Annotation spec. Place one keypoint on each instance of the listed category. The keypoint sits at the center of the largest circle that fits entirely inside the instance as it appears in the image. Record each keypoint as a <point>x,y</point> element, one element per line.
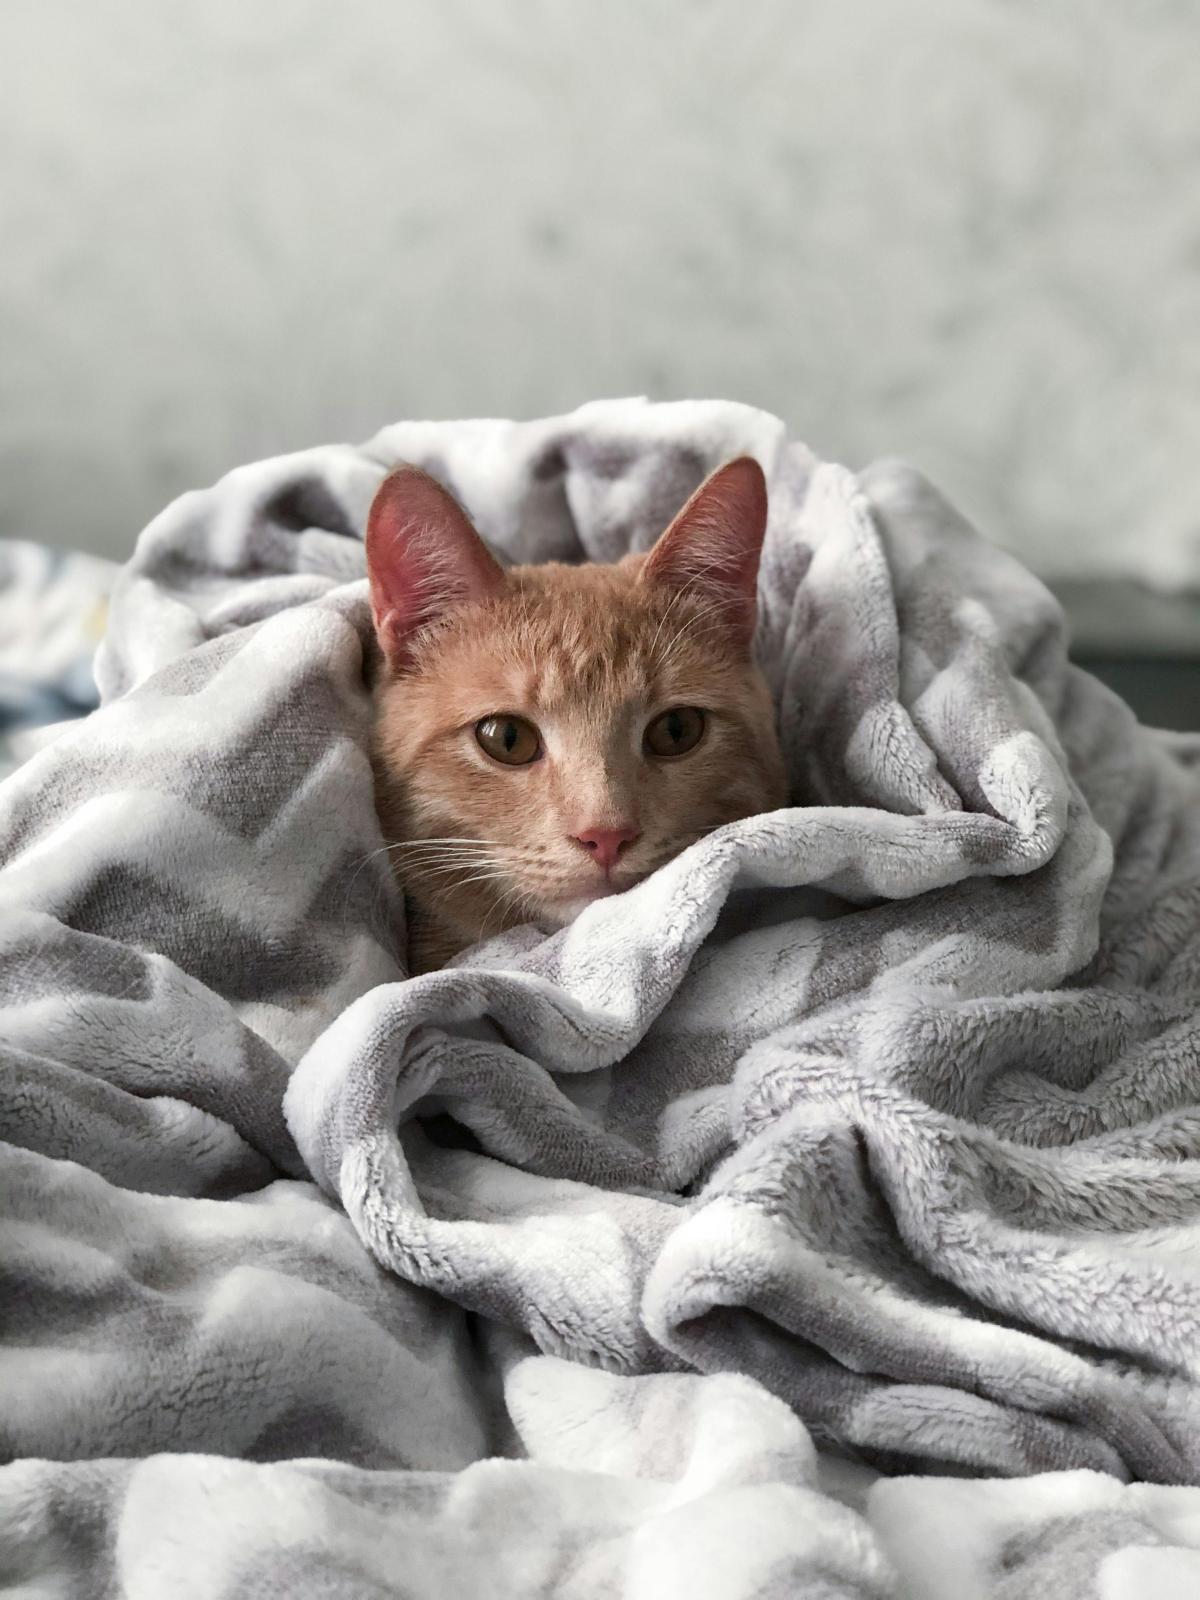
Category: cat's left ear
<point>713,545</point>
<point>423,558</point>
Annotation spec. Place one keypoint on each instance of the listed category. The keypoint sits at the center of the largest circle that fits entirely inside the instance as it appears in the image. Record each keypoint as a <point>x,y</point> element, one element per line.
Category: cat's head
<point>549,734</point>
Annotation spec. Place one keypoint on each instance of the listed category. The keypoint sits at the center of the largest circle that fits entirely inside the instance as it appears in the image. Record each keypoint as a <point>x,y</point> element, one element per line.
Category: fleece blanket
<point>870,1124</point>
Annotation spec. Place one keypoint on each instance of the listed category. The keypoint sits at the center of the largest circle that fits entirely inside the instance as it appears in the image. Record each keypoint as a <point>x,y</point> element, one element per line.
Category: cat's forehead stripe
<point>553,647</point>
<point>581,648</point>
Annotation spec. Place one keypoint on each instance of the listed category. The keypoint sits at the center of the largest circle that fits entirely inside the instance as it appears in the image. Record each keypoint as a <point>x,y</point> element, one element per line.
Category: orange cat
<point>549,734</point>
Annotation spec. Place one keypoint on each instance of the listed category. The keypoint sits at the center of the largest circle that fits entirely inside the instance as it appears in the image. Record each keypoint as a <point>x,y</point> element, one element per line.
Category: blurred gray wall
<point>966,231</point>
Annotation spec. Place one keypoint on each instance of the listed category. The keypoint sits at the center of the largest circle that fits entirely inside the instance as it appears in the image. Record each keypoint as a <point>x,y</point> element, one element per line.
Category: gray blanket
<point>876,1113</point>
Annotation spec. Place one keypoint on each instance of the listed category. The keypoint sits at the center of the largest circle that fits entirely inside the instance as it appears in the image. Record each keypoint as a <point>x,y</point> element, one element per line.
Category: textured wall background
<point>967,231</point>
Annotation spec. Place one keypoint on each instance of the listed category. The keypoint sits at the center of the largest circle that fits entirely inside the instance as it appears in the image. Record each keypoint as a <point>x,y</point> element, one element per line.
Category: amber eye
<point>511,740</point>
<point>675,733</point>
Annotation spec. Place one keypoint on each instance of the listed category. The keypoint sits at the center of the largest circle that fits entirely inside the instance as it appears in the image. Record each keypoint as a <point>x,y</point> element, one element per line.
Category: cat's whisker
<point>419,858</point>
<point>514,900</point>
<point>689,592</point>
<point>440,875</point>
<point>497,911</point>
<point>426,844</point>
<point>467,856</point>
<point>676,598</point>
<point>710,617</point>
<point>450,871</point>
<point>471,863</point>
<point>676,644</point>
<point>355,875</point>
<point>482,877</point>
<point>444,839</point>
<point>456,852</point>
<point>370,855</point>
<point>438,863</point>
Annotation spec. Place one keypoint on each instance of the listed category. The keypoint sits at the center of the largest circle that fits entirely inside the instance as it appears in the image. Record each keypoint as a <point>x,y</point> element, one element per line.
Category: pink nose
<point>604,845</point>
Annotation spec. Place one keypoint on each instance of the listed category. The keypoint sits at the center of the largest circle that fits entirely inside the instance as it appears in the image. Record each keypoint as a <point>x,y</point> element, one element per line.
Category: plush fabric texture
<point>882,1106</point>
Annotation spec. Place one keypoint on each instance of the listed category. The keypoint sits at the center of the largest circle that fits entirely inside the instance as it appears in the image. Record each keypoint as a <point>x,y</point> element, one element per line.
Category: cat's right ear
<point>423,558</point>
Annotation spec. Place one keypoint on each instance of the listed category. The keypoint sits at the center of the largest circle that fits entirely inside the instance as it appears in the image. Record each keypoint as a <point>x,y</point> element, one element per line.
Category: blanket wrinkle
<point>869,1125</point>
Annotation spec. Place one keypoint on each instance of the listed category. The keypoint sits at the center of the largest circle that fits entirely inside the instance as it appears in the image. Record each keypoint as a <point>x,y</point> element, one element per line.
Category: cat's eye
<point>510,740</point>
<point>675,732</point>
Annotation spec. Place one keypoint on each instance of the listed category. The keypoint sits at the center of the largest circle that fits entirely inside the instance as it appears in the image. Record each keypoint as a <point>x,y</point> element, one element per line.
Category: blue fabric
<point>52,610</point>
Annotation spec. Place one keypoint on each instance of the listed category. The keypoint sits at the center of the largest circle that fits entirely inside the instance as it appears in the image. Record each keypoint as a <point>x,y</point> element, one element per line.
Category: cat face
<point>552,734</point>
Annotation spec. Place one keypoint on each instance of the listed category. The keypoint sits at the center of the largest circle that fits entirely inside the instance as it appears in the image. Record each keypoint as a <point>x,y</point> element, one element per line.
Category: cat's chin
<point>558,913</point>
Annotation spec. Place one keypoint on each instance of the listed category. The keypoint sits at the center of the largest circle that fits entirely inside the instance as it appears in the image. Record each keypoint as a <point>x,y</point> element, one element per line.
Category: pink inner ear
<point>714,544</point>
<point>423,558</point>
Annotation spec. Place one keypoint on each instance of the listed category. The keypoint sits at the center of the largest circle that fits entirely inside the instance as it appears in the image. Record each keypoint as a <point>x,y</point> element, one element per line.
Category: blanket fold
<point>882,1105</point>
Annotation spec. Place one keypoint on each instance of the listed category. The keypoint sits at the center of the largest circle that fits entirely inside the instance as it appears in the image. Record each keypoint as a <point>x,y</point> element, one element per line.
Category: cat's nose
<point>604,845</point>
